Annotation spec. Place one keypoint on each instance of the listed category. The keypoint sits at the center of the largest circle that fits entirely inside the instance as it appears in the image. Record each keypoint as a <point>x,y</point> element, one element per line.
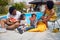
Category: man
<point>11,21</point>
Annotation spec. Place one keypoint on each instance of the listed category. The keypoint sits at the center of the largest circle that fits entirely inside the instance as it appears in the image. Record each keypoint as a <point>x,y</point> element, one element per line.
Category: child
<point>32,22</point>
<point>11,19</point>
<point>49,13</point>
<point>23,23</point>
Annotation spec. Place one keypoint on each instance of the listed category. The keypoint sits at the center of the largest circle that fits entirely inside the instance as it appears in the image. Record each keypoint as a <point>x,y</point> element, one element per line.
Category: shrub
<point>19,6</point>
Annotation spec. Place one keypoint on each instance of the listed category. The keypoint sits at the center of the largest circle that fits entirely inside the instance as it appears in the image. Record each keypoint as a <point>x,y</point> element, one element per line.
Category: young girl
<point>49,13</point>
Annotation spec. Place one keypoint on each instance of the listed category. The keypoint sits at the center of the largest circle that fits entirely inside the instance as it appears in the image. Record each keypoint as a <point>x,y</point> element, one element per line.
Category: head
<point>49,5</point>
<point>22,17</point>
<point>34,15</point>
<point>12,11</point>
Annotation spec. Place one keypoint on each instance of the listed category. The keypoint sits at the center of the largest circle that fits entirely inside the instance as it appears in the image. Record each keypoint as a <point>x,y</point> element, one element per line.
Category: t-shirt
<point>14,16</point>
<point>23,22</point>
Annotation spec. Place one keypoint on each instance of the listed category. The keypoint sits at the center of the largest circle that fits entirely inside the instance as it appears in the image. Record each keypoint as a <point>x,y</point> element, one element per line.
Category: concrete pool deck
<point>47,35</point>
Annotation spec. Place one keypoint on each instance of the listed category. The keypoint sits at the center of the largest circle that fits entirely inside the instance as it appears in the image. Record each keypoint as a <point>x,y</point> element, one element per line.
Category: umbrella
<point>39,1</point>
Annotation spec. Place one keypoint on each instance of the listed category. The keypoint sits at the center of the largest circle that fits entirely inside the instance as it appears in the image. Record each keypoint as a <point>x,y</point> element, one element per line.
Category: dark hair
<point>33,14</point>
<point>21,16</point>
<point>11,9</point>
<point>50,4</point>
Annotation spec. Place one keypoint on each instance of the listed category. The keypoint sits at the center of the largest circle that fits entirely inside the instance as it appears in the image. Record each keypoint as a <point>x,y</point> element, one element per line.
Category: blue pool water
<point>28,15</point>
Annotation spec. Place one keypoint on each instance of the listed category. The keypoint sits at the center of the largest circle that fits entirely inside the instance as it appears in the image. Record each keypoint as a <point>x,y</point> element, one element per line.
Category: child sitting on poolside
<point>49,13</point>
<point>32,22</point>
<point>23,23</point>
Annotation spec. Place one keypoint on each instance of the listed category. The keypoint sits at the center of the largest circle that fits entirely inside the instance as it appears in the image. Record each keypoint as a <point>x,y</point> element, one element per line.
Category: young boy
<point>23,24</point>
<point>32,22</point>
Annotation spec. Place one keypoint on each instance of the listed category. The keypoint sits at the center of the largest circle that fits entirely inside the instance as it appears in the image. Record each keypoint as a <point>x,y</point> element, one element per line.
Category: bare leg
<point>33,30</point>
<point>3,29</point>
<point>3,23</point>
<point>13,26</point>
<point>45,21</point>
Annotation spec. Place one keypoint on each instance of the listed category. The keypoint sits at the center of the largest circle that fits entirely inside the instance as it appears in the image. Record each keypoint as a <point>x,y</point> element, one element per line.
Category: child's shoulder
<point>53,10</point>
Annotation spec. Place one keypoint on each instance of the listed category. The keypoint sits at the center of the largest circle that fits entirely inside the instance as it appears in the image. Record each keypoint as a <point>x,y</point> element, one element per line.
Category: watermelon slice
<point>12,20</point>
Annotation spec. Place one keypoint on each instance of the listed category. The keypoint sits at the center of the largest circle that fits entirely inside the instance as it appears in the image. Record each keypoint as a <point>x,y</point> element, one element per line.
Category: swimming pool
<point>28,15</point>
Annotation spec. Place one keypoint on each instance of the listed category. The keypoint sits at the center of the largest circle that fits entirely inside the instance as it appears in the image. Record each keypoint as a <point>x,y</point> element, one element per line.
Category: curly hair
<point>50,4</point>
<point>22,16</point>
<point>33,14</point>
<point>11,9</point>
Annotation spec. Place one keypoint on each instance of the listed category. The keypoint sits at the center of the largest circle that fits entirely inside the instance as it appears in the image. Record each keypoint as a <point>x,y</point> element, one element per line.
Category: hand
<point>43,17</point>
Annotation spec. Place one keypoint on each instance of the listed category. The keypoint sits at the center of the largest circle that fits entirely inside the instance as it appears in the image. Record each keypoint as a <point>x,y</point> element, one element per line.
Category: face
<point>24,18</point>
<point>14,12</point>
<point>34,16</point>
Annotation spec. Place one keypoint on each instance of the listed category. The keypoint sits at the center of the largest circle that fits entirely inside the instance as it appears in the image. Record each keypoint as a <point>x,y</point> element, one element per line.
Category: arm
<point>51,14</point>
<point>8,22</point>
<point>31,19</point>
<point>43,17</point>
<point>44,12</point>
<point>48,17</point>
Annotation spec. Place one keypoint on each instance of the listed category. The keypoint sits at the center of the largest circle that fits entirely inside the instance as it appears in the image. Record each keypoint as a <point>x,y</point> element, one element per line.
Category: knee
<point>17,23</point>
<point>2,20</point>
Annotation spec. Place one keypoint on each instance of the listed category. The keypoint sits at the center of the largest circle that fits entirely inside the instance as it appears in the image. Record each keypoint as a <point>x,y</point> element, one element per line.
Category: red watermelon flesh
<point>12,20</point>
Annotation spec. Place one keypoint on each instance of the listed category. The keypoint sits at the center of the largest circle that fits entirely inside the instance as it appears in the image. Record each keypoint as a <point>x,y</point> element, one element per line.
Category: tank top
<point>47,13</point>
